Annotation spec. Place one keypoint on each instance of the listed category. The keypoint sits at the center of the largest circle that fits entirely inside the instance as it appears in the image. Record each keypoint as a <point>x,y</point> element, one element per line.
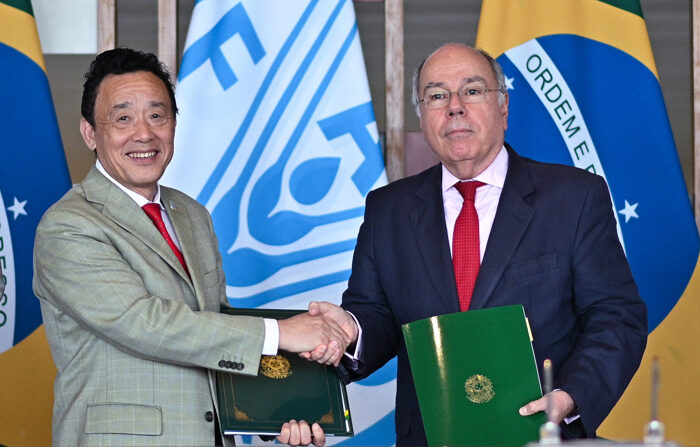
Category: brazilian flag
<point>33,175</point>
<point>584,91</point>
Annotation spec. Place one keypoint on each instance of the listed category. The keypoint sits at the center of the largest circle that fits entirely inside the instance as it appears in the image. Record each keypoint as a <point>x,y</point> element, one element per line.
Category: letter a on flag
<point>584,91</point>
<point>33,175</point>
<point>276,136</point>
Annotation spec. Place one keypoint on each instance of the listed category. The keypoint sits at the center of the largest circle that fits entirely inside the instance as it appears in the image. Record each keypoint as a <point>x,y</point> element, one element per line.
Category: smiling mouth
<point>142,155</point>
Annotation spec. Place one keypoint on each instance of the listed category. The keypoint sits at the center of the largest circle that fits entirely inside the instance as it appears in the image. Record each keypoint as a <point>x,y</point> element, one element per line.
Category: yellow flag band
<point>591,19</point>
<point>18,30</point>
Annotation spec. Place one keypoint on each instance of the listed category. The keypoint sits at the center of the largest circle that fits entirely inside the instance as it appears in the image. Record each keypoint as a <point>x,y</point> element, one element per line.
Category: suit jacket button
<point>209,416</point>
<point>241,366</point>
<point>222,363</point>
<point>229,365</point>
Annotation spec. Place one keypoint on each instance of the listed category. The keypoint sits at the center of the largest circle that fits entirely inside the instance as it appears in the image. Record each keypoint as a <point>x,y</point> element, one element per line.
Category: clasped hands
<point>322,334</point>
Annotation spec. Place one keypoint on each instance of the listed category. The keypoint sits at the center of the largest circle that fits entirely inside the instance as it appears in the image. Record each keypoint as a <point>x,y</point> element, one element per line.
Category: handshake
<point>322,334</point>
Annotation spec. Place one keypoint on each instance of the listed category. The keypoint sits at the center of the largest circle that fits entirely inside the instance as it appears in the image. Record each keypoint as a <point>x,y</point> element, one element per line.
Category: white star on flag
<point>509,83</point>
<point>629,211</point>
<point>18,208</point>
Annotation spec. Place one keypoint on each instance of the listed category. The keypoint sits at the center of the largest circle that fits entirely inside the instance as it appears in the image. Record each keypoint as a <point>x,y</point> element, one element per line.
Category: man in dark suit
<point>546,239</point>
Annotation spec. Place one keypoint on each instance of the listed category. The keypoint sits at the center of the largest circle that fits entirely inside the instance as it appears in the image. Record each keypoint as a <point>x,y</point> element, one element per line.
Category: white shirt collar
<point>494,174</point>
<point>136,197</point>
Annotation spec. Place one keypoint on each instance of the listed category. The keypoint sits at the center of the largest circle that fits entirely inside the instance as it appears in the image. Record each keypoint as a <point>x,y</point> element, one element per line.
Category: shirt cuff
<point>571,419</point>
<point>355,356</point>
<point>272,337</point>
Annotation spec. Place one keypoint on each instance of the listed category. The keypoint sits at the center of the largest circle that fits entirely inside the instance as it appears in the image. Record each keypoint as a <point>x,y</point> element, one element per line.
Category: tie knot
<point>153,211</point>
<point>468,189</point>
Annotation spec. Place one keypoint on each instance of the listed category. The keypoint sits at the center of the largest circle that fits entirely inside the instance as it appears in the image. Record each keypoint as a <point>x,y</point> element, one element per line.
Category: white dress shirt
<point>485,201</point>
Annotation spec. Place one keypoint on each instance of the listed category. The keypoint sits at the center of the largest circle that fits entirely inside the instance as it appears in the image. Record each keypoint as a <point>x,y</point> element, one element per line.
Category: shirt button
<point>209,416</point>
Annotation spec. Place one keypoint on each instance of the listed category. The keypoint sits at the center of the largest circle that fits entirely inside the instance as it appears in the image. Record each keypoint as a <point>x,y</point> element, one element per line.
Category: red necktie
<point>153,211</point>
<point>465,244</point>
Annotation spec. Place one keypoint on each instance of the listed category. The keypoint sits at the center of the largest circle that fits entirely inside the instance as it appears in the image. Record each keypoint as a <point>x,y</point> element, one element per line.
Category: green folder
<point>473,371</point>
<point>286,387</point>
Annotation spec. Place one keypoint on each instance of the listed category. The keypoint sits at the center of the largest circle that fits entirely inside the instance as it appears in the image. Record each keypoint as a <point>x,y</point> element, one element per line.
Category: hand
<point>303,333</point>
<point>299,433</point>
<point>562,406</point>
<point>322,354</point>
<point>337,314</point>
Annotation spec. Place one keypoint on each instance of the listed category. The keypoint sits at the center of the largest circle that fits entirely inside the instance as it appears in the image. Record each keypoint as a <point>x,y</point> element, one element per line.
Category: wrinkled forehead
<point>455,65</point>
<point>140,87</point>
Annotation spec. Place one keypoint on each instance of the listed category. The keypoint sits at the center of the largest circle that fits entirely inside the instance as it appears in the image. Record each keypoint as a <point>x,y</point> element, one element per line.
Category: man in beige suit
<point>135,333</point>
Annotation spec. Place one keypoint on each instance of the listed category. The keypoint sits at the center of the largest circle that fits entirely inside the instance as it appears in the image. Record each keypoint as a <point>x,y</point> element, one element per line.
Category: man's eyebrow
<point>468,80</point>
<point>127,104</point>
<point>122,105</point>
<point>433,84</point>
<point>476,78</point>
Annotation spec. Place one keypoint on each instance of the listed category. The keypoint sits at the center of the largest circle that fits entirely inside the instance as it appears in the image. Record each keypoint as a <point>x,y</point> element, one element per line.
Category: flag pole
<point>106,25</point>
<point>394,108</point>
<point>167,34</point>
<point>696,110</point>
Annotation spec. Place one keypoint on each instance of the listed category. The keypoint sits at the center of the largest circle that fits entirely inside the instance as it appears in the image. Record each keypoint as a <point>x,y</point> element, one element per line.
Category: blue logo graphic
<point>277,138</point>
<point>555,102</point>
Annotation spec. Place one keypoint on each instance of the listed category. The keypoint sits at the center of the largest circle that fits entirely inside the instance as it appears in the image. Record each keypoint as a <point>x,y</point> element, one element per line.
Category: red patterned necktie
<point>465,244</point>
<point>153,212</point>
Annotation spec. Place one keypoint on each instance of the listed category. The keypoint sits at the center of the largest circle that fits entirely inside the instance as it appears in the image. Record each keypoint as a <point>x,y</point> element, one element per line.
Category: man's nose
<point>455,105</point>
<point>143,131</point>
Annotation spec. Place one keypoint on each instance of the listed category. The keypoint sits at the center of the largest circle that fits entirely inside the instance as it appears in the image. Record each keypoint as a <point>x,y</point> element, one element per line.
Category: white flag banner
<point>276,136</point>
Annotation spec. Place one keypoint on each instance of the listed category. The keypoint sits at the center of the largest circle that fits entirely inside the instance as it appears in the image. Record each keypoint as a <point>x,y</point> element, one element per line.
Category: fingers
<point>319,438</point>
<point>330,354</point>
<point>533,407</point>
<point>304,333</point>
<point>337,314</point>
<point>314,308</point>
<point>285,433</point>
<point>298,433</point>
<point>562,406</point>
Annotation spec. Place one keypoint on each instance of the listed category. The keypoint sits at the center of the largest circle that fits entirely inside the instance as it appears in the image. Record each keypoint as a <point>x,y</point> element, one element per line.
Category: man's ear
<point>88,133</point>
<point>504,111</point>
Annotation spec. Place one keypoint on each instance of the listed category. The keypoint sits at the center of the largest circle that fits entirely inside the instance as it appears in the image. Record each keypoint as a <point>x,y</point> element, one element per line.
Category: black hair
<point>121,61</point>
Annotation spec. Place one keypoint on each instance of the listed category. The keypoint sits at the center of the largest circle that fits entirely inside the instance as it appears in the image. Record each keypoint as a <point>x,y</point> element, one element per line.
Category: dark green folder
<point>286,387</point>
<point>473,371</point>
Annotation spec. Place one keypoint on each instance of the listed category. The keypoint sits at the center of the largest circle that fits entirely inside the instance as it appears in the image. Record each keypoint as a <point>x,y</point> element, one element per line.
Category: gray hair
<point>495,66</point>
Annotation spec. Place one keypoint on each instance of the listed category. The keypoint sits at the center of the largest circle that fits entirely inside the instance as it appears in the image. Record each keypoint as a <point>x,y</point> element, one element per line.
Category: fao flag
<point>276,136</point>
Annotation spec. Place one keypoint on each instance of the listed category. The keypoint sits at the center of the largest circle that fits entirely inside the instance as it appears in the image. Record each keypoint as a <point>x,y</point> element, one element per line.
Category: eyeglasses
<point>438,98</point>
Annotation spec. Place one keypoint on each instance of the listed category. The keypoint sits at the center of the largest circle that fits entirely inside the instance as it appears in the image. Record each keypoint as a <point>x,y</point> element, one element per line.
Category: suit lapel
<point>177,212</point>
<point>428,223</point>
<point>513,216</point>
<point>121,209</point>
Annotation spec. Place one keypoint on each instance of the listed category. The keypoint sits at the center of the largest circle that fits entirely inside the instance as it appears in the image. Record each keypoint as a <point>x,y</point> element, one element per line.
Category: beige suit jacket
<point>135,340</point>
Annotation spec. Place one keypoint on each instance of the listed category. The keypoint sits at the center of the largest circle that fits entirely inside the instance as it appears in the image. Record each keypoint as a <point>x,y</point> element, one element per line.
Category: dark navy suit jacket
<point>553,248</point>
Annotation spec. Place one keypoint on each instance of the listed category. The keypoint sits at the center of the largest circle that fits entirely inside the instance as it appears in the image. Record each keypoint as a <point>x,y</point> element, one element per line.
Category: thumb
<point>533,407</point>
<point>314,308</point>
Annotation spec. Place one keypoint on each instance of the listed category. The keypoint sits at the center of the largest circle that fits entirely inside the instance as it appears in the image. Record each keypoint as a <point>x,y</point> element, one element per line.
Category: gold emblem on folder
<point>479,389</point>
<point>275,366</point>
